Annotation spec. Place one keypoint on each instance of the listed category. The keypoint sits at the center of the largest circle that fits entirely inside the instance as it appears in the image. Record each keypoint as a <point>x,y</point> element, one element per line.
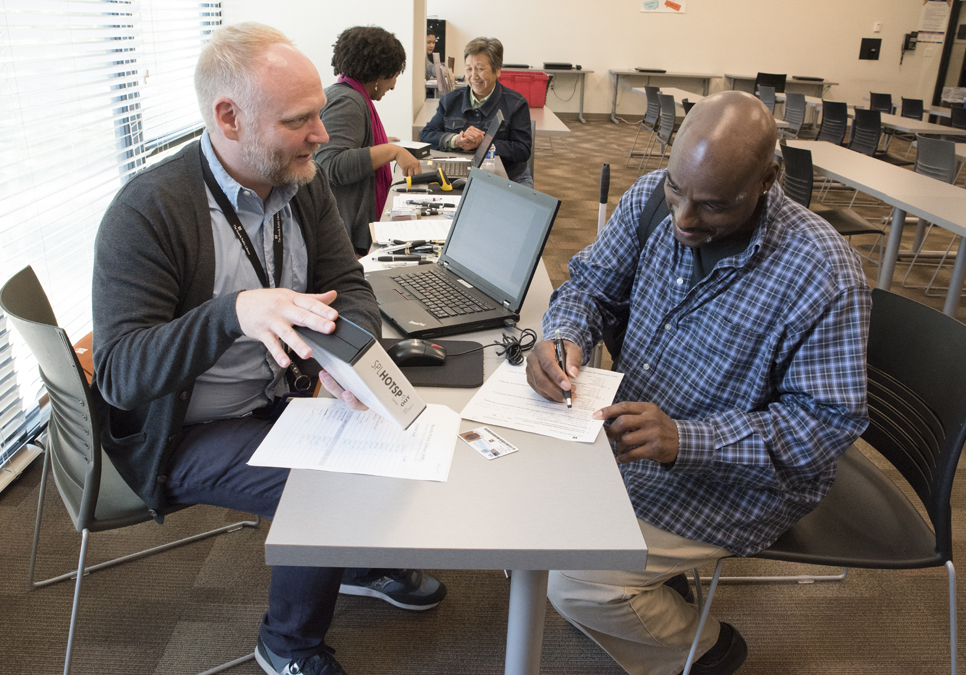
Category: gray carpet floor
<point>192,608</point>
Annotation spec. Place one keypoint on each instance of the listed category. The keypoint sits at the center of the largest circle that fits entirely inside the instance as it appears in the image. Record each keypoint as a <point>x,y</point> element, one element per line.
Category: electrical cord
<point>514,348</point>
<point>573,91</point>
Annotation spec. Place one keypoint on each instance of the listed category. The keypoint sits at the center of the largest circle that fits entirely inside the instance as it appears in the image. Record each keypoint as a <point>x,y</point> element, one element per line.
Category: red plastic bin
<point>533,85</point>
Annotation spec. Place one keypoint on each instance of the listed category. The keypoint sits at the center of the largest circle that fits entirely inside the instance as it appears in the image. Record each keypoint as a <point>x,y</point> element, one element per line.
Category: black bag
<point>653,214</point>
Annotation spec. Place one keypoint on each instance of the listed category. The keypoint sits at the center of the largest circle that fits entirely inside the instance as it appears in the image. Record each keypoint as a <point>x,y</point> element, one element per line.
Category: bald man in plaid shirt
<point>744,366</point>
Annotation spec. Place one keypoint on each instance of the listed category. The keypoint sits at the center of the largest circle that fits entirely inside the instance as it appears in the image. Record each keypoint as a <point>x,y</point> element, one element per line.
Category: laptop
<point>484,271</point>
<point>459,167</point>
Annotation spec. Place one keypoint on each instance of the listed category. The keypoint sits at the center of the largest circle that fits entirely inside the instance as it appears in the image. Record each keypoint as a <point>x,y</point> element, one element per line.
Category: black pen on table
<point>401,258</point>
<point>562,362</point>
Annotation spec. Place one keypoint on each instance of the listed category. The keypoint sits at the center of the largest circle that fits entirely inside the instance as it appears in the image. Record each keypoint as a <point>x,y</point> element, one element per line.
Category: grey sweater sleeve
<point>345,158</point>
<point>144,346</point>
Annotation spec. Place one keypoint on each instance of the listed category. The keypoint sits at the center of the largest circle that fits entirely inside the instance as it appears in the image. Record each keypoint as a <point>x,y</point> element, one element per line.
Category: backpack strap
<point>653,214</point>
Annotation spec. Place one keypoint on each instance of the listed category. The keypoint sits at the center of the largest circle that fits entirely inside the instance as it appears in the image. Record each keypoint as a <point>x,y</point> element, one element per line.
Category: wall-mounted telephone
<point>909,44</point>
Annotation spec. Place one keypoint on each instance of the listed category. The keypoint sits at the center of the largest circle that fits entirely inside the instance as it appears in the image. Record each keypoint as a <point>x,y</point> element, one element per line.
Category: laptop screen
<point>498,235</point>
<point>487,141</point>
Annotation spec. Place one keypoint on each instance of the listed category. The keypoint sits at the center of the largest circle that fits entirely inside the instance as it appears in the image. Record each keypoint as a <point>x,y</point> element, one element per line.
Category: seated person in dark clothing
<point>464,115</point>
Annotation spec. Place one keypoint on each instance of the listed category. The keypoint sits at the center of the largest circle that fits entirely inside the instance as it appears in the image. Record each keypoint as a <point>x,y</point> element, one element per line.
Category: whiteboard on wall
<point>669,6</point>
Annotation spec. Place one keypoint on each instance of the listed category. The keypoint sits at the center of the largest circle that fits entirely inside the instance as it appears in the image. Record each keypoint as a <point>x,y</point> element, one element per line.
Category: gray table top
<point>697,76</point>
<point>552,505</point>
<point>790,78</point>
<point>912,126</point>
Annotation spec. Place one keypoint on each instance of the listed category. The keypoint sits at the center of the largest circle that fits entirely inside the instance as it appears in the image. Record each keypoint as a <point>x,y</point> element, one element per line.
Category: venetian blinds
<point>90,92</point>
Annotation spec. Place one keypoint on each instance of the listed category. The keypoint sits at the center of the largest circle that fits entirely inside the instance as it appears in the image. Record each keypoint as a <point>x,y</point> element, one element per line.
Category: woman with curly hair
<point>367,61</point>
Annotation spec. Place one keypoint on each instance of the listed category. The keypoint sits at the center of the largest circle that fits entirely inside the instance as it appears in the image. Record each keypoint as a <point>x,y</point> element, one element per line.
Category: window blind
<point>90,92</point>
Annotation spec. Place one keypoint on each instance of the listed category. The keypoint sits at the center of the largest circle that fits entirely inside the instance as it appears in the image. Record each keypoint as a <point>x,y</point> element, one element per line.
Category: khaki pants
<point>647,627</point>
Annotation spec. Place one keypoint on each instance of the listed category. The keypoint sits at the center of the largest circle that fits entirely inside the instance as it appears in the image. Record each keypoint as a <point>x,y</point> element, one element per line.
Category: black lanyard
<point>236,225</point>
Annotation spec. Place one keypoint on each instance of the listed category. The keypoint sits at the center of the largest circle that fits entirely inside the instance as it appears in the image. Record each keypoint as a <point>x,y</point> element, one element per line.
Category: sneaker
<point>725,657</point>
<point>317,664</point>
<point>409,589</point>
<point>681,586</point>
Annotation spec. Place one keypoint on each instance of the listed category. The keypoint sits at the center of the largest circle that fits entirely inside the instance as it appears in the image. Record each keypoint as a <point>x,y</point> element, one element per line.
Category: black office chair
<point>96,497</point>
<point>687,105</point>
<point>881,102</point>
<point>917,422</point>
<point>911,108</point>
<point>771,80</point>
<point>957,117</point>
<point>766,94</point>
<point>795,107</point>
<point>649,122</point>
<point>835,120</point>
<point>797,182</point>
<point>866,131</point>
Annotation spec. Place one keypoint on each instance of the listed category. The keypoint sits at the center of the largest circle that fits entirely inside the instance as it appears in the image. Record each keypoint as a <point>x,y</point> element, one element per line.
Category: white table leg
<point>524,633</point>
<point>956,283</point>
<point>892,250</point>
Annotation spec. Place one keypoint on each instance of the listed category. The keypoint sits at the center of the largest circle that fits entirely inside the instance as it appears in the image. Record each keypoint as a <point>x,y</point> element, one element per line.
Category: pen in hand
<point>562,362</point>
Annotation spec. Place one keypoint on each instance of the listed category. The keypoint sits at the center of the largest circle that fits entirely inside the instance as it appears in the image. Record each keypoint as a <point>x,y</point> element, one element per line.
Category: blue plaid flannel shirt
<point>762,365</point>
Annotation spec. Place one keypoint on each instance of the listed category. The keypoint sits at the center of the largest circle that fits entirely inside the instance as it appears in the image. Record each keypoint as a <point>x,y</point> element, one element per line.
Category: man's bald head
<point>730,125</point>
<point>721,164</point>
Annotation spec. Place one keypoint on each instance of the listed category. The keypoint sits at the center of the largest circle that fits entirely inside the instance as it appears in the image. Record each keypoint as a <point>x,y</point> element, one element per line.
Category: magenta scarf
<point>383,173</point>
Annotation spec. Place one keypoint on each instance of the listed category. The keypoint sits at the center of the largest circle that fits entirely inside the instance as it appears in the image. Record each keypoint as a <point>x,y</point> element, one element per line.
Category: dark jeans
<point>210,467</point>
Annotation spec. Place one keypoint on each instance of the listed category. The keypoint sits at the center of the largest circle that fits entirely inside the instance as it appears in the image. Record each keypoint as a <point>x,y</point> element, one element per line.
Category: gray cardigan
<point>156,326</point>
<point>346,161</point>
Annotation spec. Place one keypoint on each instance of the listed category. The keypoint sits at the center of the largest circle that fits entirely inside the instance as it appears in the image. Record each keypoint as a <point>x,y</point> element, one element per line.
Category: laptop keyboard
<point>441,297</point>
<point>455,169</point>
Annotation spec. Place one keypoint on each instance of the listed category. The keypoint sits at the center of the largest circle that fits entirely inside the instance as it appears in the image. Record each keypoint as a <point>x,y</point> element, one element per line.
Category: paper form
<point>507,400</point>
<point>325,434</point>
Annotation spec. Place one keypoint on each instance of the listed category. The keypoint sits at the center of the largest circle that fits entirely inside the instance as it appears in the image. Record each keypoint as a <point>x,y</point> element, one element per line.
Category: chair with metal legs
<point>666,128</point>
<point>797,182</point>
<point>96,497</point>
<point>935,158</point>
<point>766,95</point>
<point>917,422</point>
<point>651,116</point>
<point>866,131</point>
<point>795,106</point>
<point>835,120</point>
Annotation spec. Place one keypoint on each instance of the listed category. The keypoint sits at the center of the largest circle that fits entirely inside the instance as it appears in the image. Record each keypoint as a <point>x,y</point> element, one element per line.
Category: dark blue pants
<point>210,467</point>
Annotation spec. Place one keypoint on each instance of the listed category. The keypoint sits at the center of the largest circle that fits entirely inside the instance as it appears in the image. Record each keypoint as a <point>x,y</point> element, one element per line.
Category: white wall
<point>314,26</point>
<point>818,38</point>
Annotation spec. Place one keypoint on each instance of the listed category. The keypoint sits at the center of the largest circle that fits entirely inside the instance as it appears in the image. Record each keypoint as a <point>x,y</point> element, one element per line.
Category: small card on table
<point>488,443</point>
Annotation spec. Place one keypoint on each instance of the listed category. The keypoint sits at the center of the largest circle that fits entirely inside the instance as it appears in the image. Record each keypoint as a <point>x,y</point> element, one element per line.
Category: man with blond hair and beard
<point>203,265</point>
